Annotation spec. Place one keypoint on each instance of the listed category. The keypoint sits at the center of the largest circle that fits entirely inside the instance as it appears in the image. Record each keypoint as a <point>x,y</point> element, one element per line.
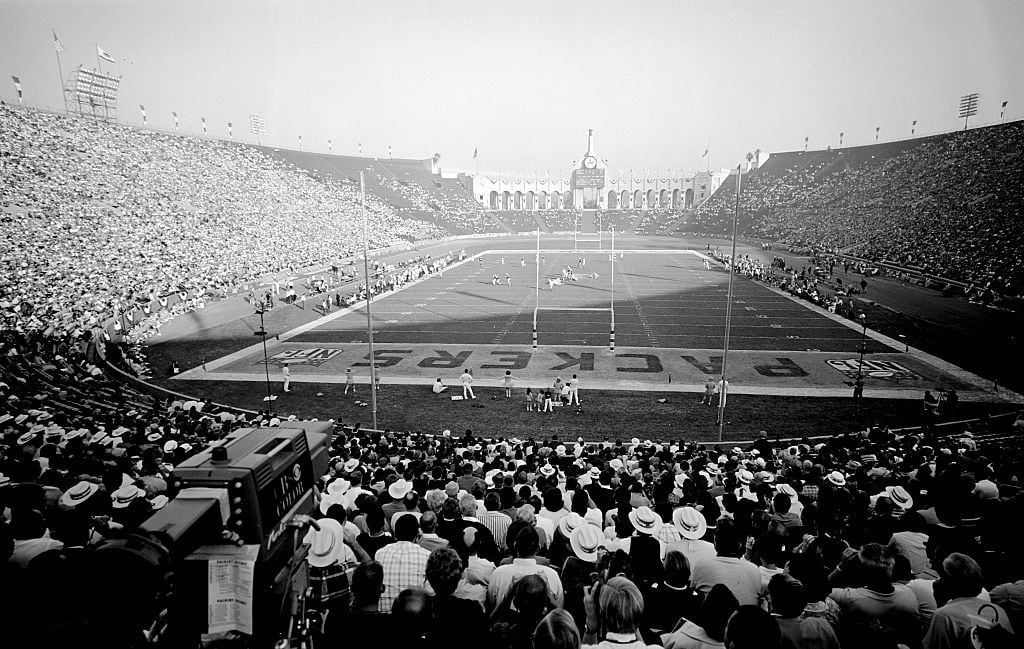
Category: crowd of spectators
<point>943,205</point>
<point>869,539</point>
<point>865,540</point>
<point>82,200</point>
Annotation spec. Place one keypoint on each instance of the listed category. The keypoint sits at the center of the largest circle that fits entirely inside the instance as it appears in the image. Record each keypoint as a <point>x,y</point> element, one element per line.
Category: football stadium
<point>626,364</point>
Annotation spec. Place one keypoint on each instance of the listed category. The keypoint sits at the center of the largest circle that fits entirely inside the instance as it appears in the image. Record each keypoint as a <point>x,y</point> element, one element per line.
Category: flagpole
<point>60,73</point>
<point>98,64</point>
<point>369,320</point>
<point>723,391</point>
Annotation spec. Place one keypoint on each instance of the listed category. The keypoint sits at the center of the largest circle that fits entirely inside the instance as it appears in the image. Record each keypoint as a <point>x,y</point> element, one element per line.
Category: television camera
<point>253,490</point>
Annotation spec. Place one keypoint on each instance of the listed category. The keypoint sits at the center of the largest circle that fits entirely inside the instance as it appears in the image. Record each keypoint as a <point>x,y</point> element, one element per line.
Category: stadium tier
<point>948,205</point>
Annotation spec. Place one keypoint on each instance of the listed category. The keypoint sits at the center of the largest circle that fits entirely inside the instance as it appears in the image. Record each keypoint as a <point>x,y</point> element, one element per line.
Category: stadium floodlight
<point>89,93</point>
<point>258,126</point>
<point>968,107</point>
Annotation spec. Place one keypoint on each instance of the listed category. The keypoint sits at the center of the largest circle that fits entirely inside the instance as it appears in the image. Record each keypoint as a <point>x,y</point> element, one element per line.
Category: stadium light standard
<point>968,107</point>
<point>266,361</point>
<point>723,391</point>
<point>369,319</point>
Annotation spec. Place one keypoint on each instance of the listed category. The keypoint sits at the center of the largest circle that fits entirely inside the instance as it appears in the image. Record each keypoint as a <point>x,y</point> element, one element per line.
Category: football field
<point>669,315</point>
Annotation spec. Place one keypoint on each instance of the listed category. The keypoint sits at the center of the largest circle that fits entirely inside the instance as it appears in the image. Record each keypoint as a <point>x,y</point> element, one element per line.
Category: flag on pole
<point>103,55</point>
<point>204,125</point>
<point>142,109</point>
<point>389,152</point>
<point>17,86</point>
<point>57,45</point>
<point>477,150</point>
<point>706,150</point>
<point>175,115</point>
<point>300,141</point>
<point>229,131</point>
<point>329,145</point>
<point>1004,104</point>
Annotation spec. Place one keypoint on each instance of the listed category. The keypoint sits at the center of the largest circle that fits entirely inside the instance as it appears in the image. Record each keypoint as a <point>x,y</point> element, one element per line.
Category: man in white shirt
<point>467,385</point>
<point>740,576</point>
<point>525,563</point>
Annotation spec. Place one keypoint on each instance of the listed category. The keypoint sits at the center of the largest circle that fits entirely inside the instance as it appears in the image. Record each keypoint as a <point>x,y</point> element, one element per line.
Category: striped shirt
<point>497,523</point>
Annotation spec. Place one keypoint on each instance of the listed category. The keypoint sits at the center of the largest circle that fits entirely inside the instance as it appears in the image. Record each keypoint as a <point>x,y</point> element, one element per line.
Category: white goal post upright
<point>611,287</point>
<point>537,293</point>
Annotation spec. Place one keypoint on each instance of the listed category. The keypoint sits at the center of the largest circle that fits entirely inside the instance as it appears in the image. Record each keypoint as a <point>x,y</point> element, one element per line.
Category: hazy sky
<point>524,80</point>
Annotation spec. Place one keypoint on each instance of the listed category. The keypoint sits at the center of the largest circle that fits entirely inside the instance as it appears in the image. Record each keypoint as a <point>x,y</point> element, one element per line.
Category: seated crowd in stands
<point>82,199</point>
<point>945,205</point>
<point>870,539</point>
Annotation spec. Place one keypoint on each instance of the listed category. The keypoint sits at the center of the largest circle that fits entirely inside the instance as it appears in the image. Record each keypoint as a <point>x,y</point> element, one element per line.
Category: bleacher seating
<point>944,204</point>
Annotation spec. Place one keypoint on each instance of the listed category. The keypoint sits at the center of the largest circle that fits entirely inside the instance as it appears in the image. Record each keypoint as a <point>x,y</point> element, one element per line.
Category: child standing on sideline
<point>508,383</point>
<point>548,400</point>
<point>709,392</point>
<point>529,400</point>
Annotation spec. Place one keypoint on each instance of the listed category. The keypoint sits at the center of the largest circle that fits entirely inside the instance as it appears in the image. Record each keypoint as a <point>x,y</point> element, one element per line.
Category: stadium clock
<point>590,162</point>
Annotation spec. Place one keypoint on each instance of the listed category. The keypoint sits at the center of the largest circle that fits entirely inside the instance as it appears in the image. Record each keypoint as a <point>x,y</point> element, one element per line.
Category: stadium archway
<point>542,201</point>
<point>567,200</point>
<point>663,198</point>
<point>530,201</point>
<point>613,201</point>
<point>689,197</point>
<point>506,201</point>
<point>638,199</point>
<point>494,201</point>
<point>675,198</point>
<point>624,200</point>
<point>556,200</point>
<point>518,201</point>
<point>651,199</point>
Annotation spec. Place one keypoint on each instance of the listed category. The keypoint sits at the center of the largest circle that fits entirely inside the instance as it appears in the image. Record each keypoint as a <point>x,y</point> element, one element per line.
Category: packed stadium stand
<point>947,205</point>
<point>408,186</point>
<point>875,539</point>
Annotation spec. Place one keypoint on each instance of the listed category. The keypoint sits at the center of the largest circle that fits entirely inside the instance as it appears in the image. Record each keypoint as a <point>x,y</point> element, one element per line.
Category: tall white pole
<point>536,304</point>
<point>369,319</point>
<point>723,392</point>
<point>611,286</point>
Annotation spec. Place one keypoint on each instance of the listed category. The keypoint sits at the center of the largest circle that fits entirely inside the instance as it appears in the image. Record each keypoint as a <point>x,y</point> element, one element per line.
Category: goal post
<point>585,238</point>
<point>609,310</point>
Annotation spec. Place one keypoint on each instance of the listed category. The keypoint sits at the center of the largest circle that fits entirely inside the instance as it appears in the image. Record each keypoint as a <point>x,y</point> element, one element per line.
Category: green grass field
<point>611,413</point>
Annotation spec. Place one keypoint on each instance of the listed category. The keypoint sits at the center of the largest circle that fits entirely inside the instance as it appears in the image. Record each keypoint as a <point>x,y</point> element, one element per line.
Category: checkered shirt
<point>810,492</point>
<point>405,566</point>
